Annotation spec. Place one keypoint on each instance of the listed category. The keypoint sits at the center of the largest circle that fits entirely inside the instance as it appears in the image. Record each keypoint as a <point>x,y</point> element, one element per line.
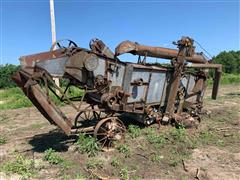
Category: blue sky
<point>25,25</point>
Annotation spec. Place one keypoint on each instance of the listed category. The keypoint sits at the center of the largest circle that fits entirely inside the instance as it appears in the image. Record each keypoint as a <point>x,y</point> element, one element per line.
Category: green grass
<point>87,144</point>
<point>217,138</point>
<point>134,131</point>
<point>52,157</point>
<point>2,140</point>
<point>227,79</point>
<point>124,174</point>
<point>156,158</point>
<point>94,163</point>
<point>157,140</point>
<point>14,98</point>
<point>180,145</point>
<point>79,177</point>
<point>20,165</point>
<point>124,149</point>
<point>170,147</point>
<point>115,162</point>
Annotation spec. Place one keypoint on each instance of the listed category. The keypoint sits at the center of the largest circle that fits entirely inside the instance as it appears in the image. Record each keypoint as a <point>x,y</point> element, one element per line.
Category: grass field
<point>13,98</point>
<point>228,79</point>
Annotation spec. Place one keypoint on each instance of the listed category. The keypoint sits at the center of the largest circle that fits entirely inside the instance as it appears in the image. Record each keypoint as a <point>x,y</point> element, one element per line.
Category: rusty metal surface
<point>39,99</point>
<point>98,46</point>
<point>148,93</point>
<point>160,52</point>
<point>30,60</point>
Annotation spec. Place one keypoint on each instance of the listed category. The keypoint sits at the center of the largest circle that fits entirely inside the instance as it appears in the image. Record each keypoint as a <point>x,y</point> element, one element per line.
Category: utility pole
<point>53,29</point>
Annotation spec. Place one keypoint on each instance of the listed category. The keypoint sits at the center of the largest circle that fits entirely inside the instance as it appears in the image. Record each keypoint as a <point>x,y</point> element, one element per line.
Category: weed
<point>156,140</point>
<point>2,140</point>
<point>150,131</point>
<point>87,144</point>
<point>179,134</point>
<point>94,163</point>
<point>79,177</point>
<point>20,165</point>
<point>124,174</point>
<point>52,157</point>
<point>156,158</point>
<point>206,137</point>
<point>220,143</point>
<point>115,162</point>
<point>134,131</point>
<point>67,164</point>
<point>124,149</point>
<point>177,156</point>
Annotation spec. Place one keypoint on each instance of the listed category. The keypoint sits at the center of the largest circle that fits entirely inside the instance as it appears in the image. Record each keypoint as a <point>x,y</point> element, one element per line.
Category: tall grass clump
<point>87,144</point>
<point>20,165</point>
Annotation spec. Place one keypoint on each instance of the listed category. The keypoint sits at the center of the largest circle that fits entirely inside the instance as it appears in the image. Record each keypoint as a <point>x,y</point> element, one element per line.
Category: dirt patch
<point>213,163</point>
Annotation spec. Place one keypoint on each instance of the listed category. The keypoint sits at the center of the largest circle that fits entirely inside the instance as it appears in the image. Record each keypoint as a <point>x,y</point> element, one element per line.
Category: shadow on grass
<point>233,94</point>
<point>55,139</point>
<point>60,142</point>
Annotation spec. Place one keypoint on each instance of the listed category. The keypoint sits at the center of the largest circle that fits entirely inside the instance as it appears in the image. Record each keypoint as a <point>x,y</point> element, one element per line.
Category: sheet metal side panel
<point>191,84</point>
<point>117,76</point>
<point>127,77</point>
<point>55,67</point>
<point>156,87</point>
<point>138,92</point>
<point>101,67</point>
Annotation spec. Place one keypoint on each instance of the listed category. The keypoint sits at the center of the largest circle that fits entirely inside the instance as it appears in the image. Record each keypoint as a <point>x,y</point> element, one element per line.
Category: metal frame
<point>98,91</point>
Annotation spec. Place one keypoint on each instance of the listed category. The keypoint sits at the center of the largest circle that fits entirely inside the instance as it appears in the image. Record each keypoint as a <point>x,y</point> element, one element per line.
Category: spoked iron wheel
<point>86,117</point>
<point>109,131</point>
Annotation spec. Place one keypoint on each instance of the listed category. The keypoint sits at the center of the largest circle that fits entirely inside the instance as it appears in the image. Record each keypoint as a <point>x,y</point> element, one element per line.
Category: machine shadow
<point>55,139</point>
<point>60,142</point>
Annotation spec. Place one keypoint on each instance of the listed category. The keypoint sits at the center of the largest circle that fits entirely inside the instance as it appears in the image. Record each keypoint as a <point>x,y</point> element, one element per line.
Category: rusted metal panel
<point>30,60</point>
<point>51,109</point>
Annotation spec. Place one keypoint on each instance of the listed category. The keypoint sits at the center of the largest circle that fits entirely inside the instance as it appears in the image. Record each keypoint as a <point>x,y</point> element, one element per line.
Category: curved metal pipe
<point>159,52</point>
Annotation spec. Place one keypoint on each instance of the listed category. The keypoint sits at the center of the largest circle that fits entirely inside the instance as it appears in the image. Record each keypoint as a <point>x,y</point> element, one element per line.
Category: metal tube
<point>159,52</point>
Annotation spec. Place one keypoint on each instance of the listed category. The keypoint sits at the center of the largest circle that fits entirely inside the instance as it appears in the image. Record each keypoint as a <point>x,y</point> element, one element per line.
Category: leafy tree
<point>6,72</point>
<point>230,61</point>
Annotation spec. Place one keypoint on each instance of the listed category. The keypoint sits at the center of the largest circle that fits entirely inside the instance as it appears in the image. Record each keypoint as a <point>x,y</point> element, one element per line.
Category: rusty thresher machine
<point>109,89</point>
